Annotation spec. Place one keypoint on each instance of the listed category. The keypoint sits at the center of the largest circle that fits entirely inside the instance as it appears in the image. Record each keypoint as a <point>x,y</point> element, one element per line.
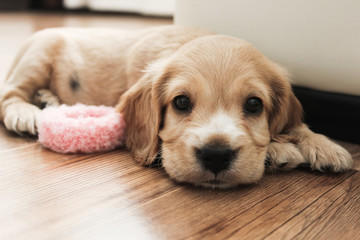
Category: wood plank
<point>45,195</point>
<point>62,197</point>
<point>245,213</point>
<point>329,217</point>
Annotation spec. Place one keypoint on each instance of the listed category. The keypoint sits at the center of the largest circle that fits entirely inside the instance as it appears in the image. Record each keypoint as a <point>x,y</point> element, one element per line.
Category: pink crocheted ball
<point>81,128</point>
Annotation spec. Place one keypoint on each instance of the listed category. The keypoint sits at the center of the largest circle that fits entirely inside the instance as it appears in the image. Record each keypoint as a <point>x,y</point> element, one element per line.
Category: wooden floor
<point>44,195</point>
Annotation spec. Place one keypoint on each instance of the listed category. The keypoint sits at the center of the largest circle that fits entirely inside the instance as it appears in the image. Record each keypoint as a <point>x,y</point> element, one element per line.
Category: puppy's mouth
<point>215,184</point>
<point>214,181</point>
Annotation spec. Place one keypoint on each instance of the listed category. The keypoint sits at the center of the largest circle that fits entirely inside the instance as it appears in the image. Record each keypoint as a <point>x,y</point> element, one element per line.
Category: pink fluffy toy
<point>80,128</point>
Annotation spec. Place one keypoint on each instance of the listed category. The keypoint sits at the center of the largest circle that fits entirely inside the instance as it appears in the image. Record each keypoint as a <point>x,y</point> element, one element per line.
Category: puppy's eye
<point>253,105</point>
<point>182,103</point>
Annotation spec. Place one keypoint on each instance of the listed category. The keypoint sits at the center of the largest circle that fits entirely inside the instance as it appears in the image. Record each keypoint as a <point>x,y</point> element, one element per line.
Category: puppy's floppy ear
<point>286,112</point>
<point>142,111</point>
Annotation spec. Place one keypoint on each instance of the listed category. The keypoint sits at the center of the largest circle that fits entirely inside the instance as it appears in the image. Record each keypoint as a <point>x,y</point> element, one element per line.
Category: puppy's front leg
<point>302,146</point>
<point>44,98</point>
<point>283,155</point>
<point>21,116</point>
<point>30,72</point>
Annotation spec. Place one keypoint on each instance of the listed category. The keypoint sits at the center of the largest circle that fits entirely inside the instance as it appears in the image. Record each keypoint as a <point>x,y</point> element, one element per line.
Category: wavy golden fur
<point>213,107</point>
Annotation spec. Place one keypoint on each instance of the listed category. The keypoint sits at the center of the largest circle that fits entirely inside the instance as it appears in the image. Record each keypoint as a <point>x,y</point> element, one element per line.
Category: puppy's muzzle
<point>216,158</point>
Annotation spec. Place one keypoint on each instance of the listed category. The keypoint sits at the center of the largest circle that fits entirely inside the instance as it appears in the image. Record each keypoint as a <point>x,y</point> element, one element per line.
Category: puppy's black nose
<point>216,158</point>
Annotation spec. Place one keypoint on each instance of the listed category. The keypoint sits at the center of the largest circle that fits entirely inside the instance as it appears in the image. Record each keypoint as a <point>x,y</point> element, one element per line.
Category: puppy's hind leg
<point>32,70</point>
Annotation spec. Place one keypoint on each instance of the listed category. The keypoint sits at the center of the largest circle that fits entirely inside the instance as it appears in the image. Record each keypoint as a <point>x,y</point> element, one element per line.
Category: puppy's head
<point>210,110</point>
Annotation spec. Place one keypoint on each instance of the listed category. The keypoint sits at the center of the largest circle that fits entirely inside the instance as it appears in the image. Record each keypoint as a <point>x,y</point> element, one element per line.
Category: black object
<point>332,114</point>
<point>215,158</point>
<point>14,4</point>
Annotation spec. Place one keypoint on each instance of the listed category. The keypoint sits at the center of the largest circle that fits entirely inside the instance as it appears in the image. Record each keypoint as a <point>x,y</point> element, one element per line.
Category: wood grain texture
<point>44,195</point>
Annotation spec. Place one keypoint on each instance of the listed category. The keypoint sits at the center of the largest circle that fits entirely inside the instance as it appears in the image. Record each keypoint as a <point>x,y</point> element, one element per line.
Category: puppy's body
<point>185,93</point>
<point>91,66</point>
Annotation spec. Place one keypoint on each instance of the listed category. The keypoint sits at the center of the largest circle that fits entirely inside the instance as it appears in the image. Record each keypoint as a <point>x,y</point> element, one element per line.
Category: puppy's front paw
<point>44,98</point>
<point>283,155</point>
<point>22,117</point>
<point>325,155</point>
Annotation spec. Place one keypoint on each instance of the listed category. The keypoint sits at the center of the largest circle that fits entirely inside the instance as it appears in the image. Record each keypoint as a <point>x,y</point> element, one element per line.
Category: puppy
<point>212,107</point>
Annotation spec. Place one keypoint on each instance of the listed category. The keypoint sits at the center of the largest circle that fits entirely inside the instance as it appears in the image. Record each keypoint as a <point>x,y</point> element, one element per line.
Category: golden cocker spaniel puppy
<point>213,107</point>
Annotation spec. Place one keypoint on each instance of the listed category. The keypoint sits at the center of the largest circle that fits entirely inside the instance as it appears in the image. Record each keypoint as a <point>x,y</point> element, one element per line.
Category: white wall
<point>146,7</point>
<point>317,40</point>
